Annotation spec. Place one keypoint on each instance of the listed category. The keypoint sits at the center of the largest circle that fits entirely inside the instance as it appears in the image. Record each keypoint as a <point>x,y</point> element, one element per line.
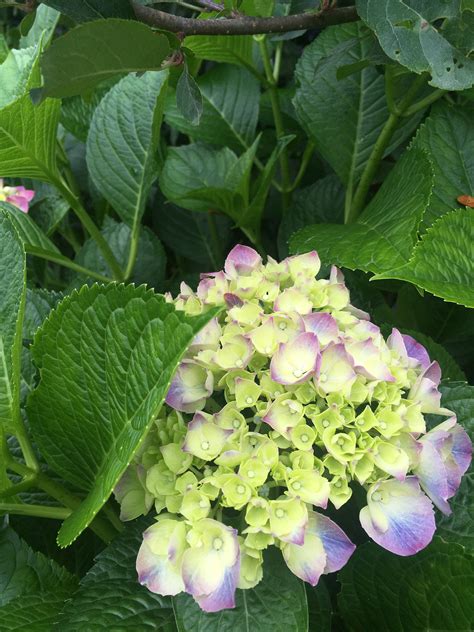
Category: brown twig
<point>245,25</point>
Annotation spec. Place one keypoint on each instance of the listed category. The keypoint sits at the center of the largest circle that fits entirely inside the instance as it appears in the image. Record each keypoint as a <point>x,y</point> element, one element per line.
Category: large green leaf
<point>32,588</point>
<point>150,266</point>
<point>12,304</point>
<point>459,526</point>
<point>111,597</point>
<point>443,260</point>
<point>231,102</point>
<point>122,143</point>
<point>14,74</point>
<point>28,139</point>
<point>344,116</point>
<point>107,355</point>
<point>227,49</point>
<point>432,590</point>
<point>28,231</point>
<point>98,50</point>
<point>319,607</point>
<point>383,237</point>
<point>85,10</point>
<point>409,33</point>
<point>447,136</point>
<point>46,20</point>
<point>277,604</point>
<point>200,178</point>
<point>322,202</point>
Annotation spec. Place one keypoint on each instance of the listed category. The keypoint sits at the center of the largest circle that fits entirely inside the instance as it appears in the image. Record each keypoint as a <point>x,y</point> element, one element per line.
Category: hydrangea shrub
<point>283,405</point>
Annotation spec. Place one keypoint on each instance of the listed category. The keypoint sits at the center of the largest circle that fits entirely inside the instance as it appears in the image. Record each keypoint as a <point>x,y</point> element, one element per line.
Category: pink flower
<point>18,196</point>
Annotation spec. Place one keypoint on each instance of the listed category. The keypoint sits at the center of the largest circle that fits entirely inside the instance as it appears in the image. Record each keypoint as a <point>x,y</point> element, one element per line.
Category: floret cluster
<point>284,403</point>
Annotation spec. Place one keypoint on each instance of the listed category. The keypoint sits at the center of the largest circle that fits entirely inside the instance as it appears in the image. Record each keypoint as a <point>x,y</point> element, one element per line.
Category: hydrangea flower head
<point>283,405</point>
<point>18,196</point>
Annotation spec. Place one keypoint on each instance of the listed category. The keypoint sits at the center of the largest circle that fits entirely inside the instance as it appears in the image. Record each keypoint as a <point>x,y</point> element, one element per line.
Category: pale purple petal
<point>416,351</point>
<point>295,361</point>
<point>432,475</point>
<point>190,387</point>
<point>336,544</point>
<point>242,261</point>
<point>306,561</point>
<point>323,325</point>
<point>368,361</point>
<point>325,549</point>
<point>224,596</point>
<point>399,517</point>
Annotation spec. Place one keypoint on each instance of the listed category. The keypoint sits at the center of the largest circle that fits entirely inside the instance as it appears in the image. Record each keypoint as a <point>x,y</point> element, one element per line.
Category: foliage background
<point>151,155</point>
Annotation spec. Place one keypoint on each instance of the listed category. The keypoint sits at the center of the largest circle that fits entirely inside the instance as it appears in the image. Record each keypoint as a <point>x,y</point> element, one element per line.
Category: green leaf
<point>107,355</point>
<point>443,260</point>
<point>12,304</point>
<point>28,231</point>
<point>46,20</point>
<point>32,588</point>
<point>85,10</point>
<point>447,136</point>
<point>320,203</point>
<point>96,51</point>
<point>431,590</point>
<point>458,527</point>
<point>77,111</point>
<point>319,607</point>
<point>346,116</point>
<point>411,36</point>
<point>48,209</point>
<point>122,143</point>
<point>150,266</point>
<point>111,597</point>
<point>28,139</point>
<point>277,604</point>
<point>189,98</point>
<point>200,178</point>
<point>15,72</point>
<point>227,49</point>
<point>230,109</point>
<point>188,234</point>
<point>384,235</point>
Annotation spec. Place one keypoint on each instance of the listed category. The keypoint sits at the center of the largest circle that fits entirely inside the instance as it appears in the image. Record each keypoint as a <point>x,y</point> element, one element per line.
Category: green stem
<point>133,252</point>
<point>100,526</point>
<point>91,227</point>
<point>255,240</point>
<point>424,103</point>
<point>378,151</point>
<point>308,152</point>
<point>278,119</point>
<point>40,511</point>
<point>67,263</point>
<point>25,444</point>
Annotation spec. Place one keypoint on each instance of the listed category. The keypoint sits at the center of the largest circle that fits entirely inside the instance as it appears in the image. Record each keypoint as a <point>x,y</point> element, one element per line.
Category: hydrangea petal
<point>242,261</point>
<point>190,387</point>
<point>295,361</point>
<point>323,325</point>
<point>335,372</point>
<point>326,549</point>
<point>368,360</point>
<point>399,517</point>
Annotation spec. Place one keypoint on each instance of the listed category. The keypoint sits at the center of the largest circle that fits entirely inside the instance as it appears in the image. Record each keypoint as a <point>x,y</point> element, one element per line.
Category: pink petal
<point>242,261</point>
